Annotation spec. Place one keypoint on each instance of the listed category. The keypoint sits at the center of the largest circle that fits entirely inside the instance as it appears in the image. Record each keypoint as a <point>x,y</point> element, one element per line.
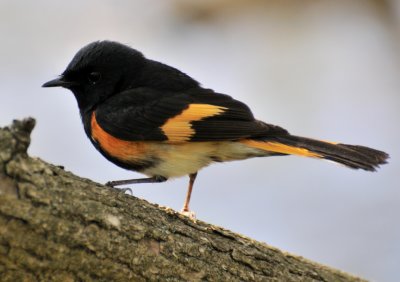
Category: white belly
<point>182,159</point>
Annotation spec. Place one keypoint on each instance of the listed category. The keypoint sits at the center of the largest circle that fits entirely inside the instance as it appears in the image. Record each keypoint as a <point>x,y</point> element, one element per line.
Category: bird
<point>148,117</point>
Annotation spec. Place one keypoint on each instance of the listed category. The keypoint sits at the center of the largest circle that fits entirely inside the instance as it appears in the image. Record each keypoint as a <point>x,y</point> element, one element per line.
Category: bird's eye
<point>94,77</point>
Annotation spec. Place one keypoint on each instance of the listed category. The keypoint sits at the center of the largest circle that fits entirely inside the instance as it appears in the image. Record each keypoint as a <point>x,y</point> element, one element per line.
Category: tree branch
<point>55,226</point>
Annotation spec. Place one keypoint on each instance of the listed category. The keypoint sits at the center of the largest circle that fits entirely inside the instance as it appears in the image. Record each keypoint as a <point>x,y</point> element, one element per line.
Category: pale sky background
<point>321,69</point>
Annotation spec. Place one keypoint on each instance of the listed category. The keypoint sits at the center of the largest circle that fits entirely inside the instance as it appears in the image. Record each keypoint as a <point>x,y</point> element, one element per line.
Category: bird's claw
<point>120,190</point>
<point>190,214</point>
<point>124,190</point>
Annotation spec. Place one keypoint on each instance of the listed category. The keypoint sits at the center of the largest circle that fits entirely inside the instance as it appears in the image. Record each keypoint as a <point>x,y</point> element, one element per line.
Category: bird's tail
<point>353,156</point>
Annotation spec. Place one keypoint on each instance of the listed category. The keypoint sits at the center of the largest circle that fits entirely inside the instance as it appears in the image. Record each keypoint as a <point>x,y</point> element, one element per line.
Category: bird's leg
<point>154,179</point>
<point>185,210</point>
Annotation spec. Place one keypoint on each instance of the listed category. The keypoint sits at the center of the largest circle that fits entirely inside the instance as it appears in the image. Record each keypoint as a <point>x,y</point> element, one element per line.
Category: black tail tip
<point>368,159</point>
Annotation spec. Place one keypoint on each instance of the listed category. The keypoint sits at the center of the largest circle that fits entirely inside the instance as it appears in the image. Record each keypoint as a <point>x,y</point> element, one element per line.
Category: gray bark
<point>55,226</point>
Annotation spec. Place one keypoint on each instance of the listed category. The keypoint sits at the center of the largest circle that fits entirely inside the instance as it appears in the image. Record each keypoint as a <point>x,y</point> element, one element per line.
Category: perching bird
<point>145,116</point>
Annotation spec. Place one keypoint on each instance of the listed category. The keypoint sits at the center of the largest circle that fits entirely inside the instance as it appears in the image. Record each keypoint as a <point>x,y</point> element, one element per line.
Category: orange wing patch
<point>280,148</point>
<point>179,128</point>
<point>120,149</point>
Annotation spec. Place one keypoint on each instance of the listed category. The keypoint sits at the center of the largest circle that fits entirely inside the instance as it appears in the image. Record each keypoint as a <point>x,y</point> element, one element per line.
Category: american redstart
<point>145,116</point>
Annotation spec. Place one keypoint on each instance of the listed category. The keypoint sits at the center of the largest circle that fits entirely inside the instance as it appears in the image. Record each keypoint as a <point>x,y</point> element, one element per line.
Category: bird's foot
<point>110,184</point>
<point>190,214</point>
<point>124,190</point>
<point>120,190</point>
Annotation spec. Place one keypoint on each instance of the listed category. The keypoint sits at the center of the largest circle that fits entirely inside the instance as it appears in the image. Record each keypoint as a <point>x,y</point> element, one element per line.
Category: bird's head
<point>98,71</point>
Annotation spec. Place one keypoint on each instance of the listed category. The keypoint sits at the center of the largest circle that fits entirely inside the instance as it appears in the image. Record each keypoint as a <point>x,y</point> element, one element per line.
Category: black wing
<point>194,115</point>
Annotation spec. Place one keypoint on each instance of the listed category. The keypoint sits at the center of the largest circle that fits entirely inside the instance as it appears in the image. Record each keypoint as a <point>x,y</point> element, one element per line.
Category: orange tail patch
<point>280,148</point>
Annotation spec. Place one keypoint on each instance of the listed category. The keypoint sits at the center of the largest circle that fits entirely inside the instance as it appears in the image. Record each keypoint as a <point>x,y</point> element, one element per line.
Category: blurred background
<point>322,69</point>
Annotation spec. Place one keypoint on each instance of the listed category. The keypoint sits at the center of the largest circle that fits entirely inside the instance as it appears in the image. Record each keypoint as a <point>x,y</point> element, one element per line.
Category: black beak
<point>60,82</point>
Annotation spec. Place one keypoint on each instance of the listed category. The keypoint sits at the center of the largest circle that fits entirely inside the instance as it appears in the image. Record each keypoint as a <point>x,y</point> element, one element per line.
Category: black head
<point>98,71</point>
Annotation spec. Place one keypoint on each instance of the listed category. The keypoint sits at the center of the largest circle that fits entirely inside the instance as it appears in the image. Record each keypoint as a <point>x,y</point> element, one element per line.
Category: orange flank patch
<point>120,149</point>
<point>279,148</point>
<point>179,128</point>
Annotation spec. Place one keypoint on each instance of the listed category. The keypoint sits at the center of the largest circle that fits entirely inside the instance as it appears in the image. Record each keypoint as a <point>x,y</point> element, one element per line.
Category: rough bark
<point>55,226</point>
